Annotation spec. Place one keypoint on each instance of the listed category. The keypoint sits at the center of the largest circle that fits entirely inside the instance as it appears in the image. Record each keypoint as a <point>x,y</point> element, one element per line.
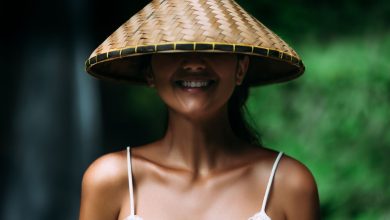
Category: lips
<point>194,83</point>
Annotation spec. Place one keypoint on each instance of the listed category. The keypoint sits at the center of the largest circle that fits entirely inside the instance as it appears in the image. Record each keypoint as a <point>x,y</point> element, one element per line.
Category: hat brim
<point>267,66</point>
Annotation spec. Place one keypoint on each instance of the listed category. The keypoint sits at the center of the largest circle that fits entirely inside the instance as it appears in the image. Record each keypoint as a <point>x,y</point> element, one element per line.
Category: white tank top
<point>261,215</point>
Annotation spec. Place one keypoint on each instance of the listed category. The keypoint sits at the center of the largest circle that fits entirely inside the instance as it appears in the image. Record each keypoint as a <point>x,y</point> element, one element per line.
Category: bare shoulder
<point>103,186</point>
<point>106,171</point>
<point>295,176</point>
<point>296,189</point>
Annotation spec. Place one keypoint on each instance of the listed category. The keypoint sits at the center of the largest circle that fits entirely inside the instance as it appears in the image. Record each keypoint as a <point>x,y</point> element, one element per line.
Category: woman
<point>201,57</point>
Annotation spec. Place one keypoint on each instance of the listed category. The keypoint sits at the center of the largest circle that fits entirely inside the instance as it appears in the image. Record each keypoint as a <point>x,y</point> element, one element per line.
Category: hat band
<point>193,47</point>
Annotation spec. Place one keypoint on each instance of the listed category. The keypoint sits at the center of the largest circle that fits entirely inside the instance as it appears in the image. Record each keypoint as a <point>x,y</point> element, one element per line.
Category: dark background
<point>56,119</point>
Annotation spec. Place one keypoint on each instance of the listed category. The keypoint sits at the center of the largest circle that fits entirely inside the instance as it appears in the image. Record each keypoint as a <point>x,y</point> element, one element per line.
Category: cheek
<point>227,74</point>
<point>227,82</point>
<point>163,65</point>
<point>225,66</point>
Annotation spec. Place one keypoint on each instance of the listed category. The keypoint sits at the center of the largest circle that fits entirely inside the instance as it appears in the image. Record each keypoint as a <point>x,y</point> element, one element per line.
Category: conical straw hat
<point>175,26</point>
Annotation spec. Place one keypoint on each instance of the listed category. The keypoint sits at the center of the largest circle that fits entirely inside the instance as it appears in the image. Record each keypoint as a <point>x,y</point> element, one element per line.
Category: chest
<point>236,200</point>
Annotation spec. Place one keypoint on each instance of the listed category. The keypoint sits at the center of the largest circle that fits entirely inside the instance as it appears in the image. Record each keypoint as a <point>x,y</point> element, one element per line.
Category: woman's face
<point>196,84</point>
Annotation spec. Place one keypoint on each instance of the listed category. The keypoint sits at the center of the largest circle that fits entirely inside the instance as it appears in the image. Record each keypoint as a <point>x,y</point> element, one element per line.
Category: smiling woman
<point>195,84</point>
<point>201,57</point>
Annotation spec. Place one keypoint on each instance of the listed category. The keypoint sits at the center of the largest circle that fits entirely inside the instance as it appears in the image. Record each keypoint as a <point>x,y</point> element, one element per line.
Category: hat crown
<point>211,21</point>
<point>176,26</point>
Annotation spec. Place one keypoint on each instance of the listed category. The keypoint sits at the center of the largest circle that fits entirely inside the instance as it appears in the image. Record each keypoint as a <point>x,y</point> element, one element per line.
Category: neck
<point>200,146</point>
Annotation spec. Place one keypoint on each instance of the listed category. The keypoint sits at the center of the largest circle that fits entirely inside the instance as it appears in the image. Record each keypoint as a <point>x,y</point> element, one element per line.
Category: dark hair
<point>238,114</point>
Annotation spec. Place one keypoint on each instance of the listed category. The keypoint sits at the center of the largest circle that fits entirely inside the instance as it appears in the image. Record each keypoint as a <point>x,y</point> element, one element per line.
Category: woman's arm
<point>101,189</point>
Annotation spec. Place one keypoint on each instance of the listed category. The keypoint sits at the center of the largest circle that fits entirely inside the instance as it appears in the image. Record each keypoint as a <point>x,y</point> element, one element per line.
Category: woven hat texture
<point>177,26</point>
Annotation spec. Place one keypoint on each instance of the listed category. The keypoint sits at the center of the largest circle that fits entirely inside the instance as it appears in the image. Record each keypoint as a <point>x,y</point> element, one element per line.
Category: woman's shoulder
<point>107,173</point>
<point>294,185</point>
<point>290,171</point>
<point>294,177</point>
<point>104,186</point>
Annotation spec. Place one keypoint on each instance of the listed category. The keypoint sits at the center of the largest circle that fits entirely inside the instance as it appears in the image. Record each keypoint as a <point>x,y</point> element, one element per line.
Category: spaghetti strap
<point>132,215</point>
<point>270,182</point>
<point>261,215</point>
<point>130,175</point>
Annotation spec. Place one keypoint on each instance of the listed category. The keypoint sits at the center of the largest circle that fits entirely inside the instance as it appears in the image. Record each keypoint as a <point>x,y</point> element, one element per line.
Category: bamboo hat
<point>176,26</point>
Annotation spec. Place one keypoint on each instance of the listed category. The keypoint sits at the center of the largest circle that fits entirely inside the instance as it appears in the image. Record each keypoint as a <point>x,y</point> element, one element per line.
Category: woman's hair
<point>238,115</point>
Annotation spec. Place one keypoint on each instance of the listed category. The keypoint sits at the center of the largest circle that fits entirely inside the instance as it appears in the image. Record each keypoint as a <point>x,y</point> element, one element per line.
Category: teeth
<point>197,84</point>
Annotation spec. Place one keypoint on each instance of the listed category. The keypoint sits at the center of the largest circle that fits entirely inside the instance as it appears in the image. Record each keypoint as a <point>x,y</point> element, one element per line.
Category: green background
<point>336,117</point>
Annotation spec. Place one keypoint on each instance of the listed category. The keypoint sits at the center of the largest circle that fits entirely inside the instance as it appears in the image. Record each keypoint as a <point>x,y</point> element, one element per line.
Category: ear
<point>242,68</point>
<point>149,76</point>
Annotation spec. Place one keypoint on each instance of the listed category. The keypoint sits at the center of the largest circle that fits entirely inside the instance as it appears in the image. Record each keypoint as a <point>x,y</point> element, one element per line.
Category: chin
<point>200,114</point>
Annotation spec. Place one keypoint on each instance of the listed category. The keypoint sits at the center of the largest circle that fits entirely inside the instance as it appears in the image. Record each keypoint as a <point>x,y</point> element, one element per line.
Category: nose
<point>193,62</point>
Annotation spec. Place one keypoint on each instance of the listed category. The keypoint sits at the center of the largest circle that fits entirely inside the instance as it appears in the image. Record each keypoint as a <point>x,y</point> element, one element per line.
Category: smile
<point>194,84</point>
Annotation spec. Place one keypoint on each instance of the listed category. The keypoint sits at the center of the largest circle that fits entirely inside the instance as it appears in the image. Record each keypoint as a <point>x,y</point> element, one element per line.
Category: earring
<point>151,82</point>
<point>238,80</point>
<point>149,77</point>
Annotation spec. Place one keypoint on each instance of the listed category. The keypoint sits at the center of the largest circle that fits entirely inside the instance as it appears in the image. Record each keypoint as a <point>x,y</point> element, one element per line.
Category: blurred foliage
<point>336,117</point>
